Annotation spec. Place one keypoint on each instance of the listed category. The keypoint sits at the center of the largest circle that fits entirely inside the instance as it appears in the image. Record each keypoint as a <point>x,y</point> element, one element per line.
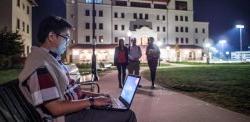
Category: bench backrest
<point>14,106</point>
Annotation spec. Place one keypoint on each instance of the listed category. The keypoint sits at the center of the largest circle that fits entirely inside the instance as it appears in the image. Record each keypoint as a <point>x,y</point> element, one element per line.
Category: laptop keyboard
<point>116,103</point>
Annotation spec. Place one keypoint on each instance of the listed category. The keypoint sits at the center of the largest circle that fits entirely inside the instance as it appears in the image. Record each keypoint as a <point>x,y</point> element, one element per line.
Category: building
<point>16,16</point>
<point>170,22</point>
<point>240,56</point>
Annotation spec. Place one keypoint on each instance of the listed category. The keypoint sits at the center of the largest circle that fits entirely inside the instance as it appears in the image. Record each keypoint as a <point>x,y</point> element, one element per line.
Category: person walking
<point>121,61</point>
<point>134,59</point>
<point>153,55</point>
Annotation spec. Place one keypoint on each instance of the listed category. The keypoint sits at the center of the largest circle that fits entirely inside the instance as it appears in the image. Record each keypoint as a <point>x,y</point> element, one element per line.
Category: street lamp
<point>93,66</point>
<point>240,27</point>
<point>208,45</point>
<point>222,42</point>
<point>129,34</point>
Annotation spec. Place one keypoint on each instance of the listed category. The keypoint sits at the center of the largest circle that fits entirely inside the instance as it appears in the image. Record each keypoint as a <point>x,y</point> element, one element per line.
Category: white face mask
<point>61,47</point>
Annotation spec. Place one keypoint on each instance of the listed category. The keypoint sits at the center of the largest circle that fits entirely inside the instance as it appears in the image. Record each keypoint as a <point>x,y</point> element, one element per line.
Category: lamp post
<point>240,27</point>
<point>222,42</point>
<point>208,45</point>
<point>93,66</point>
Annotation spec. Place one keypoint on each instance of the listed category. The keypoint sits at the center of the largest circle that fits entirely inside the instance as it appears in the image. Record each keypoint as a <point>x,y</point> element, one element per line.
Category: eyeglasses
<point>68,40</point>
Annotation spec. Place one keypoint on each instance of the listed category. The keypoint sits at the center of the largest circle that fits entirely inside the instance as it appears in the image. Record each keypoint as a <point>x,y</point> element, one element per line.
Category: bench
<point>84,79</point>
<point>13,105</point>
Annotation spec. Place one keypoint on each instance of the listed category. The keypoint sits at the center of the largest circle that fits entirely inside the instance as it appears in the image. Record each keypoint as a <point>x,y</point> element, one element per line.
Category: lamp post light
<point>222,42</point>
<point>208,45</point>
<point>129,34</point>
<point>240,27</point>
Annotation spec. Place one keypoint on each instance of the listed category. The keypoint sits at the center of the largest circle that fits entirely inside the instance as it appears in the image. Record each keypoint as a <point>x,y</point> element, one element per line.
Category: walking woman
<point>153,55</point>
<point>121,61</point>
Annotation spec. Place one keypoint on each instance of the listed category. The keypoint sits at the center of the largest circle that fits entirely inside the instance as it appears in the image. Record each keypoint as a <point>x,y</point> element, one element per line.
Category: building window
<point>187,40</point>
<point>87,38</point>
<point>158,17</point>
<point>182,40</point>
<point>186,18</point>
<point>181,19</point>
<point>115,14</point>
<point>203,30</point>
<point>140,16</point>
<point>176,29</point>
<point>181,5</point>
<point>146,16</point>
<point>116,27</point>
<point>135,16</point>
<point>176,18</point>
<point>163,17</point>
<point>18,3</point>
<point>186,29</point>
<point>196,41</point>
<point>100,39</point>
<point>18,24</point>
<point>158,28</point>
<point>164,29</point>
<point>23,26</point>
<point>140,4</point>
<point>23,7</point>
<point>116,39</point>
<point>123,27</point>
<point>100,13</point>
<point>28,10</point>
<point>87,13</point>
<point>100,26</point>
<point>121,3</point>
<point>87,26</point>
<point>135,27</point>
<point>28,29</point>
<point>196,30</point>
<point>122,15</point>
<point>160,6</point>
<point>176,40</point>
<point>181,29</point>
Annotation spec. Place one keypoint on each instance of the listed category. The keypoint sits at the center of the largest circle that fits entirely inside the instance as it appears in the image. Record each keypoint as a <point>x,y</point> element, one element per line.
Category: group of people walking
<point>129,58</point>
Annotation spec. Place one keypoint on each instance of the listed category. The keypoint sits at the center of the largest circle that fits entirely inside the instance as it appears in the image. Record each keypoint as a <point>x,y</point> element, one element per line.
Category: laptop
<point>127,95</point>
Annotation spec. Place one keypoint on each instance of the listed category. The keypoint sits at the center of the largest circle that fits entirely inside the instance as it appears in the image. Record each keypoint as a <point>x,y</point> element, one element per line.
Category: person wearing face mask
<point>153,55</point>
<point>46,83</point>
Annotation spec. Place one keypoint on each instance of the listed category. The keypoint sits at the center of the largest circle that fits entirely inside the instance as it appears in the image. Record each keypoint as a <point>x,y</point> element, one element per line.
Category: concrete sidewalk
<point>163,105</point>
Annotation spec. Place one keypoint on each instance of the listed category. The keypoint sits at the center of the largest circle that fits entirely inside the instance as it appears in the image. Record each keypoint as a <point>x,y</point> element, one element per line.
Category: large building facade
<point>16,16</point>
<point>170,22</point>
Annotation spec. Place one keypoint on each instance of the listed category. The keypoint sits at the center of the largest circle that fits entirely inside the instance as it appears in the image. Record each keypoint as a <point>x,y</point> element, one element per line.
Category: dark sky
<point>223,15</point>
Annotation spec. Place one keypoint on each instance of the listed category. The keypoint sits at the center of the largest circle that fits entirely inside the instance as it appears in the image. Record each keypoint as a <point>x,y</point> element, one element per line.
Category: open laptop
<point>127,95</point>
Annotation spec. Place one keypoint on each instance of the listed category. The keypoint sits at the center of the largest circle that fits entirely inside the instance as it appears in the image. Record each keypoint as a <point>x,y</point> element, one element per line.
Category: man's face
<point>134,42</point>
<point>62,38</point>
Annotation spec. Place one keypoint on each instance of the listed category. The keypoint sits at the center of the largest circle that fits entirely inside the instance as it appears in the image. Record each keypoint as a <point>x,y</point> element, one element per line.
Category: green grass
<point>226,85</point>
<point>8,74</point>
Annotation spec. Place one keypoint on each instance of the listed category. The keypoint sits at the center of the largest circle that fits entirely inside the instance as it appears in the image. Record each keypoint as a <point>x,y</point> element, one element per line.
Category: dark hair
<point>51,24</point>
<point>151,39</point>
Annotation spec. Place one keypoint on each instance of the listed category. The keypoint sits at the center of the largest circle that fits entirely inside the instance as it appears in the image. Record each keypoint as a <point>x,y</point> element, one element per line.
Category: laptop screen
<point>130,88</point>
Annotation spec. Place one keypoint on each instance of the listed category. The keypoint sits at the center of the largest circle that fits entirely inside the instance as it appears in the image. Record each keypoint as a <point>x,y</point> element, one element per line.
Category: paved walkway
<point>164,105</point>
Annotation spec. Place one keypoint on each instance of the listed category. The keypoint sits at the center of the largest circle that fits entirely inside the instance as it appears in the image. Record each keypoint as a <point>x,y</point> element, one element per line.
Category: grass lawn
<point>226,85</point>
<point>8,74</point>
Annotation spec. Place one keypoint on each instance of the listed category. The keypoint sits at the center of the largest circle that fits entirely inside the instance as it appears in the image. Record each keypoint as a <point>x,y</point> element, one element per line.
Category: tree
<point>10,48</point>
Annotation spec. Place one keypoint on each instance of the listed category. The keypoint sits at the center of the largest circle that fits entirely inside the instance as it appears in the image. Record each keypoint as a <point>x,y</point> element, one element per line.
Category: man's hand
<point>102,101</point>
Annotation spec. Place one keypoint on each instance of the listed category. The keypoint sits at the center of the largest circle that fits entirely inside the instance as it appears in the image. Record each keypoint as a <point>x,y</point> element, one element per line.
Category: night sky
<point>221,14</point>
